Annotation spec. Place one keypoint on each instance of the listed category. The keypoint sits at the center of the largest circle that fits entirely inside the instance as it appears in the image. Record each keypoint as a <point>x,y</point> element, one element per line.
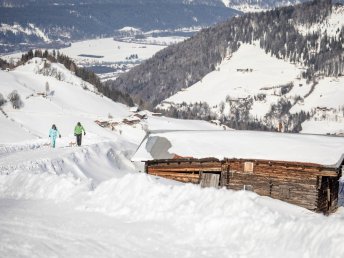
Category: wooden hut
<point>300,169</point>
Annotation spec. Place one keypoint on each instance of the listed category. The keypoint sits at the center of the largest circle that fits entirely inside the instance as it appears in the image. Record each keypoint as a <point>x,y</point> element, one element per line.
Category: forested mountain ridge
<point>182,65</point>
<point>37,23</point>
<point>252,72</point>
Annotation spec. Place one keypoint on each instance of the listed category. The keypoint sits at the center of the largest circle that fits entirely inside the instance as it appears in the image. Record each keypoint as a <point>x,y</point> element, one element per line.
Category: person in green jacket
<point>78,132</point>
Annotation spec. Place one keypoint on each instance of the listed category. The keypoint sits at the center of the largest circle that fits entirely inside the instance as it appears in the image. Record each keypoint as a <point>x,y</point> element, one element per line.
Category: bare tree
<point>15,99</point>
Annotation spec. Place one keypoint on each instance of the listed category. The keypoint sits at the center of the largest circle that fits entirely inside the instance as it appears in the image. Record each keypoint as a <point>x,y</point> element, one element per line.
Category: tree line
<point>181,65</point>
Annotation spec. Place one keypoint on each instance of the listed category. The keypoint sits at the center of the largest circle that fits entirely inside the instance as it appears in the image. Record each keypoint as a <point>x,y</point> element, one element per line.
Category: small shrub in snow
<point>260,97</point>
<point>84,86</point>
<point>15,99</point>
<point>47,88</point>
<point>2,100</point>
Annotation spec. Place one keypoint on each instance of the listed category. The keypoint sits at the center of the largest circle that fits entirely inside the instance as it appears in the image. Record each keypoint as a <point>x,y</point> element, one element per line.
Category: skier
<point>78,132</point>
<point>53,133</point>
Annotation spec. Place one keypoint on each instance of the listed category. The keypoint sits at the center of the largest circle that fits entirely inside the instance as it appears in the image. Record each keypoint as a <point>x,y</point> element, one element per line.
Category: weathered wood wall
<point>307,185</point>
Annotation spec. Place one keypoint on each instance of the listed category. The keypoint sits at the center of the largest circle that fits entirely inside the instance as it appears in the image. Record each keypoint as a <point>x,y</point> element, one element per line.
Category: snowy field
<point>109,49</point>
<point>116,56</point>
<point>93,201</point>
<point>111,57</point>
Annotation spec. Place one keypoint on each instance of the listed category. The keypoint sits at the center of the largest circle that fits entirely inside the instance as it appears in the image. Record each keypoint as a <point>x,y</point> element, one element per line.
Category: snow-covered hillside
<point>258,5</point>
<point>262,83</point>
<point>92,201</point>
<point>30,30</point>
<point>66,102</point>
<point>332,25</point>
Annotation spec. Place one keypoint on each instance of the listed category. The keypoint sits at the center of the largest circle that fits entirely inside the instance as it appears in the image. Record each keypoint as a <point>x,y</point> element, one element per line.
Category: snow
<point>92,201</point>
<point>129,29</point>
<point>164,123</point>
<point>10,130</point>
<point>323,127</point>
<point>331,26</point>
<point>39,32</point>
<point>328,93</point>
<point>139,216</point>
<point>267,72</point>
<point>31,29</point>
<point>244,7</point>
<point>317,149</point>
<point>66,104</point>
<point>250,72</point>
<point>111,50</point>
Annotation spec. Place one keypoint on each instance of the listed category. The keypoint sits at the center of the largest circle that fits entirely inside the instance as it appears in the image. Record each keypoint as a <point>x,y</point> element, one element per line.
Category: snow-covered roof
<point>318,149</point>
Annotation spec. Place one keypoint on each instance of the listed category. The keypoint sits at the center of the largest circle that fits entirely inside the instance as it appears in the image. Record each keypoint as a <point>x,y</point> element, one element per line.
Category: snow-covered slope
<point>66,103</point>
<point>259,81</point>
<point>331,26</point>
<point>239,76</point>
<point>92,201</point>
<point>30,30</point>
<point>258,5</point>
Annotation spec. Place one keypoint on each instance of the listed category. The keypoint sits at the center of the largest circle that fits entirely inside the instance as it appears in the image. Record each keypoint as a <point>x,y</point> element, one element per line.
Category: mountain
<point>32,24</point>
<point>308,37</point>
<point>259,5</point>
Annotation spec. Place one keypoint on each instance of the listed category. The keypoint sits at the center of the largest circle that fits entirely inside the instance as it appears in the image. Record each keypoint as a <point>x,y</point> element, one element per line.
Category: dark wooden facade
<point>308,185</point>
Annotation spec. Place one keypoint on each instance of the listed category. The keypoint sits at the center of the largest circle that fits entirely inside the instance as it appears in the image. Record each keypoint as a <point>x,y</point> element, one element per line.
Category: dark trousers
<point>78,139</point>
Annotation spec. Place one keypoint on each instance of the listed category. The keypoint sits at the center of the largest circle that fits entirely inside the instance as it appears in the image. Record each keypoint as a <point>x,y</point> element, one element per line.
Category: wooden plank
<point>185,169</point>
<point>167,173</point>
<point>210,180</point>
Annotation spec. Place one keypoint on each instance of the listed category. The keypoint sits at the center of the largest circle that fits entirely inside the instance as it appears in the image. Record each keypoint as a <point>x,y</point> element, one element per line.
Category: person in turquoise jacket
<point>78,132</point>
<point>53,133</point>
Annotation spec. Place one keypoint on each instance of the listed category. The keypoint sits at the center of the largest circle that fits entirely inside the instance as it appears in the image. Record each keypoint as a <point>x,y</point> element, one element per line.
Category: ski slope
<point>93,201</point>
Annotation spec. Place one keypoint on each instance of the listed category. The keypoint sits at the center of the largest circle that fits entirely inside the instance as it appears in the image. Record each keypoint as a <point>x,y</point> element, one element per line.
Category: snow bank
<point>104,209</point>
<point>217,223</point>
<point>60,174</point>
<point>324,150</point>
